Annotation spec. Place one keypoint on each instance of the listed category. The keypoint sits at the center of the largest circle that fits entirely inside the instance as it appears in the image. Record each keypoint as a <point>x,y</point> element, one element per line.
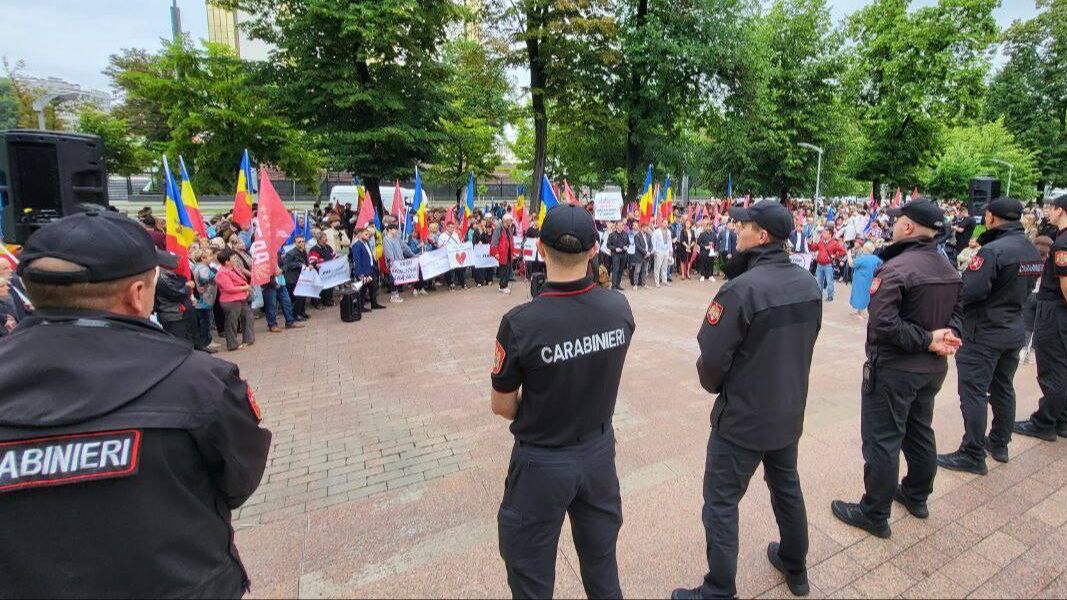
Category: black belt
<point>593,433</point>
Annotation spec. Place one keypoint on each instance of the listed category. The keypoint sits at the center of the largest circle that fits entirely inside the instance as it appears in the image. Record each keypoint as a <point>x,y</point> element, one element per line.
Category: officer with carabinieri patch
<point>756,346</point>
<point>1050,335</point>
<point>996,283</point>
<point>915,323</point>
<point>564,351</point>
<point>122,450</point>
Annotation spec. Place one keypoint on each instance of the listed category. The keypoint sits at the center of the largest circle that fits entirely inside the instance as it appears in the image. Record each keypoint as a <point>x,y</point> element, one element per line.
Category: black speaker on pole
<point>47,175</point>
<point>981,191</point>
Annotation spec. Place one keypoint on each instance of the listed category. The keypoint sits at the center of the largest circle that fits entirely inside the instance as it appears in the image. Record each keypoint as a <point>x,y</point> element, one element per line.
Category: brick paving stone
<point>387,467</point>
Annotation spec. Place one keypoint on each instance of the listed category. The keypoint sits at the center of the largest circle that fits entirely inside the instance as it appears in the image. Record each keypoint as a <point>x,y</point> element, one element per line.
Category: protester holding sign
<point>396,251</point>
<point>293,264</point>
<point>450,240</point>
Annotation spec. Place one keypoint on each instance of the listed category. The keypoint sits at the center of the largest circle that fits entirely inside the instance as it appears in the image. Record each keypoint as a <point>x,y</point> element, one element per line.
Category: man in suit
<point>618,242</point>
<point>798,240</point>
<point>642,253</point>
<point>365,269</point>
<point>727,242</point>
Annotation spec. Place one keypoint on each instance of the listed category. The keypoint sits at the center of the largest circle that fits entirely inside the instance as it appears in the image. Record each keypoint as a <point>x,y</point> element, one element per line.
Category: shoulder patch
<point>500,355</point>
<point>253,404</point>
<point>875,284</point>
<point>714,313</point>
<point>1061,258</point>
<point>67,459</point>
<point>976,263</point>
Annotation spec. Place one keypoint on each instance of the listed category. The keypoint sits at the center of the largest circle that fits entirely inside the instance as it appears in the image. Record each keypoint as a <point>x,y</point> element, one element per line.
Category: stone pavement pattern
<point>387,467</point>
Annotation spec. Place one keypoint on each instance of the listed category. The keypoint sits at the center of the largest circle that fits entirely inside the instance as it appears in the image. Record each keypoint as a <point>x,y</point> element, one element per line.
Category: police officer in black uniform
<point>564,351</point>
<point>996,283</point>
<point>1050,335</point>
<point>915,323</point>
<point>122,450</point>
<point>756,345</point>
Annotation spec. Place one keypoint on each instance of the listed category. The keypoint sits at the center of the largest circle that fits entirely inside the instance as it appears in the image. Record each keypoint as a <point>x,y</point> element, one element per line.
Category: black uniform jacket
<point>122,453</point>
<point>996,283</point>
<point>915,291</point>
<point>756,344</point>
<point>1055,269</point>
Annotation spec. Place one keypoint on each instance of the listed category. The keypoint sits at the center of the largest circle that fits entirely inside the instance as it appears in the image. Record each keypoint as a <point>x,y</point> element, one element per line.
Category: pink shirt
<point>230,282</point>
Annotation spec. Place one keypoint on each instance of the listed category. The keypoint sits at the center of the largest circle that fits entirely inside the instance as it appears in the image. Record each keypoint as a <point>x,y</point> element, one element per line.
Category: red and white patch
<point>875,284</point>
<point>498,363</point>
<point>714,313</point>
<point>254,405</point>
<point>976,263</point>
<point>1061,258</point>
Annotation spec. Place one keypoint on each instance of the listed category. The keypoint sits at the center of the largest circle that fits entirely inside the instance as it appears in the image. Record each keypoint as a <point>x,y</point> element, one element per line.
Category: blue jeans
<point>825,275</point>
<point>271,298</point>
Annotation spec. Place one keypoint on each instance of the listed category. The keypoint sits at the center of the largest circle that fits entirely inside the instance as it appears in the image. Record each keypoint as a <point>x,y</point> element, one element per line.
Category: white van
<point>348,194</point>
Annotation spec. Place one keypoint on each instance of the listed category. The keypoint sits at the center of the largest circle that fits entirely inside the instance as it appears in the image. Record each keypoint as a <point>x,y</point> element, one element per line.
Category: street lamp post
<point>1011,168</point>
<point>818,170</point>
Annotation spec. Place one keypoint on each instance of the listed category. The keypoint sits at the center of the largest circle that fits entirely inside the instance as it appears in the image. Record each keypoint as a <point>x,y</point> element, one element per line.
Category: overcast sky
<point>72,39</point>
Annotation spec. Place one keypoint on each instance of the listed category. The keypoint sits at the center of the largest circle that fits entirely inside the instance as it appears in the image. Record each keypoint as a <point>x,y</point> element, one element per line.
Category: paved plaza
<point>387,467</point>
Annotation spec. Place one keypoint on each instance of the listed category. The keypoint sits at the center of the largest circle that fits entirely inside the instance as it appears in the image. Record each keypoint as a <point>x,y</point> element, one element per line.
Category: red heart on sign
<point>461,257</point>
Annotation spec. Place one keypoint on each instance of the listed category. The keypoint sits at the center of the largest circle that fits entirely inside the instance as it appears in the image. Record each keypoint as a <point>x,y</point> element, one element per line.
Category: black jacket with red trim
<point>996,284</point>
<point>565,349</point>
<point>756,345</point>
<point>152,517</point>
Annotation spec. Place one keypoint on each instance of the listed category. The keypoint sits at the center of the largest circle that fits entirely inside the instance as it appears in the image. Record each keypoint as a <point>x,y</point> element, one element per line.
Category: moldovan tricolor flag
<point>520,205</point>
<point>242,200</point>
<point>468,208</point>
<point>189,199</point>
<point>275,225</point>
<point>646,197</point>
<point>416,220</point>
<point>180,232</point>
<point>549,200</point>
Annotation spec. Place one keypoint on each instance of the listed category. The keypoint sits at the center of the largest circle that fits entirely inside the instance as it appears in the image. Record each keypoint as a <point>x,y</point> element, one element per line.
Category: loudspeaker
<point>46,175</point>
<point>981,191</point>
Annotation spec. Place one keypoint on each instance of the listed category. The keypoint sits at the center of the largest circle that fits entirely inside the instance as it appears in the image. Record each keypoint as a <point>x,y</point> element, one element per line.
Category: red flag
<point>450,216</point>
<point>915,193</point>
<point>896,199</point>
<point>366,211</point>
<point>569,193</point>
<point>275,225</point>
<point>748,199</point>
<point>871,202</point>
<point>398,201</point>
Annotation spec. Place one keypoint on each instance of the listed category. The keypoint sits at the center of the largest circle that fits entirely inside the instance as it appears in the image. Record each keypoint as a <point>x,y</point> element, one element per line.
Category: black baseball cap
<point>1006,208</point>
<point>107,245</point>
<point>768,214</point>
<point>1058,201</point>
<point>569,229</point>
<point>922,211</point>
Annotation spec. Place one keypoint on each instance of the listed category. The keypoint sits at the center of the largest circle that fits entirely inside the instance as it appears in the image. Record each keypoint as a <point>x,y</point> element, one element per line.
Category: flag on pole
<point>915,193</point>
<point>274,227</point>
<point>748,200</point>
<point>549,200</point>
<point>896,199</point>
<point>569,193</point>
<point>520,205</point>
<point>468,208</point>
<point>180,232</point>
<point>730,187</point>
<point>242,200</point>
<point>366,214</point>
<point>189,199</point>
<point>416,218</point>
<point>647,197</point>
<point>398,202</point>
<point>668,205</point>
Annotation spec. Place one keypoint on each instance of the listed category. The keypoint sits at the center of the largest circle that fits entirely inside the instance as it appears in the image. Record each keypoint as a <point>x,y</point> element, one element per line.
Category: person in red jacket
<point>826,249</point>
<point>503,249</point>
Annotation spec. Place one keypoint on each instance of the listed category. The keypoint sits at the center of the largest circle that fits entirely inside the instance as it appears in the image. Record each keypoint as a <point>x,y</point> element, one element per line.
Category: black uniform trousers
<point>1050,346</point>
<point>727,472</point>
<point>986,376</point>
<point>897,412</point>
<point>544,484</point>
<point>707,264</point>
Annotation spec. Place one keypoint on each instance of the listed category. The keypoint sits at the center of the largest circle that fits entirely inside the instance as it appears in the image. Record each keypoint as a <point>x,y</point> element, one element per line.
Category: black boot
<point>1028,429</point>
<point>851,514</point>
<point>999,453</point>
<point>959,461</point>
<point>797,582</point>
<point>686,594</point>
<point>917,509</point>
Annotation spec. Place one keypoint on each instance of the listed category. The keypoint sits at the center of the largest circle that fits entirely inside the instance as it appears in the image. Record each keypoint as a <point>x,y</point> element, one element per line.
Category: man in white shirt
<point>662,248</point>
<point>450,240</point>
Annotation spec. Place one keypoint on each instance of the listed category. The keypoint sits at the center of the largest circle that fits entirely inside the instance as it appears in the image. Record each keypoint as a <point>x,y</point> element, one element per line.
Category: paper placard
<point>404,271</point>
<point>433,264</point>
<point>529,250</point>
<point>482,258</point>
<point>333,273</point>
<point>461,257</point>
<point>607,209</point>
<point>516,244</point>
<point>308,285</point>
<point>801,260</point>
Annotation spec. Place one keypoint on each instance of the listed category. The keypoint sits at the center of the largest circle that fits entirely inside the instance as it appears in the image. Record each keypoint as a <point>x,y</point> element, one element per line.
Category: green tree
<point>124,154</point>
<point>478,92</point>
<point>364,78</point>
<point>9,105</point>
<point>215,106</point>
<point>912,73</point>
<point>966,155</point>
<point>24,95</point>
<point>145,116</point>
<point>1030,92</point>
